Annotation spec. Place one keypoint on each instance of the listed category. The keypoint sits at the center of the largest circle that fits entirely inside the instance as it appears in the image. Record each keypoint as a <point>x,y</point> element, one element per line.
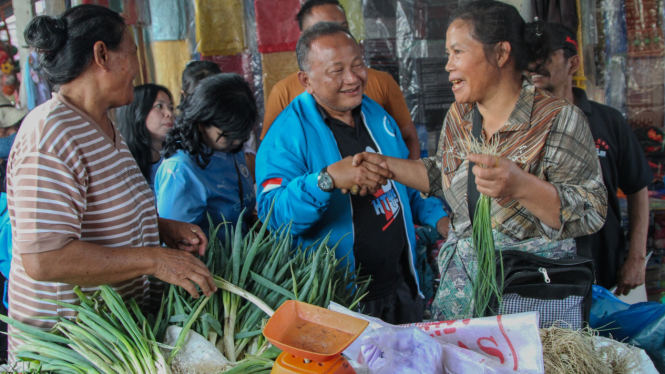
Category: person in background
<point>381,87</point>
<point>194,72</point>
<point>10,121</point>
<point>304,166</point>
<point>204,170</point>
<point>80,210</point>
<point>144,124</point>
<point>546,186</point>
<point>623,164</point>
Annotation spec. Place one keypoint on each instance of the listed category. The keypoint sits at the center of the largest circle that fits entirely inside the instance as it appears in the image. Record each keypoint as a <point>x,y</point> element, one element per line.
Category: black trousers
<point>400,307</point>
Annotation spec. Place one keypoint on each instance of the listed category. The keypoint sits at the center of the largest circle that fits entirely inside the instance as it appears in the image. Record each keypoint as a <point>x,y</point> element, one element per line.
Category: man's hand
<point>368,159</point>
<point>183,236</point>
<point>631,275</point>
<point>184,270</point>
<point>443,226</point>
<point>369,178</point>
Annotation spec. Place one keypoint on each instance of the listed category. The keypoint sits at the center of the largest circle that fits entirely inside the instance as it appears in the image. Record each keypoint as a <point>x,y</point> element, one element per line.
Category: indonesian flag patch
<point>271,184</point>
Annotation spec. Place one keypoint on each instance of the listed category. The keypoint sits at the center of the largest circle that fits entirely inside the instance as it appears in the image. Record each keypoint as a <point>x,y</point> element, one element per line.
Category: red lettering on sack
<point>510,344</point>
<point>490,350</point>
<point>462,345</point>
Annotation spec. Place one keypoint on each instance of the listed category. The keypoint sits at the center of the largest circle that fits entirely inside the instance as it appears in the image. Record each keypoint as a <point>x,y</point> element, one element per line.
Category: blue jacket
<point>300,144</point>
<point>187,193</point>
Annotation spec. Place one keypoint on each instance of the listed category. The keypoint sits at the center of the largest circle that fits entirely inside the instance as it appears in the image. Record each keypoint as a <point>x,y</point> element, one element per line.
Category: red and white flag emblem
<point>271,184</point>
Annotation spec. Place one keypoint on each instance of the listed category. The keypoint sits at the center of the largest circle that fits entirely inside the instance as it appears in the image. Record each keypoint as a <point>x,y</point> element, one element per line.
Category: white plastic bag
<point>197,355</point>
<point>405,350</point>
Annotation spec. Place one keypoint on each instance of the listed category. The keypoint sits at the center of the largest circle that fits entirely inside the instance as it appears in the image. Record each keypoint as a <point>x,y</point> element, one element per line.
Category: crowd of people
<point>92,202</point>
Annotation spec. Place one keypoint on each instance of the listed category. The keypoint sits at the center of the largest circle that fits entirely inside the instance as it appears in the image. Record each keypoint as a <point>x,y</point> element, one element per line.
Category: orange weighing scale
<point>311,338</point>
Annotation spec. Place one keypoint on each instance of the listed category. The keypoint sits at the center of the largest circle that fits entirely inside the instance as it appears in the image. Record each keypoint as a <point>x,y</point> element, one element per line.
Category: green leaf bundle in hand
<point>485,284</point>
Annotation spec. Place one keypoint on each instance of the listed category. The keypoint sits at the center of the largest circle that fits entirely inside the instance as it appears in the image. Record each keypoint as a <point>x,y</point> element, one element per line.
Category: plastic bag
<point>456,355</point>
<point>641,324</point>
<point>401,350</point>
<point>197,355</point>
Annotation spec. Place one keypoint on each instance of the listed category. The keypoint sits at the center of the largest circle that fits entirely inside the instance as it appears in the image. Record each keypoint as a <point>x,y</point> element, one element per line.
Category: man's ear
<point>574,64</point>
<point>100,54</point>
<point>303,77</point>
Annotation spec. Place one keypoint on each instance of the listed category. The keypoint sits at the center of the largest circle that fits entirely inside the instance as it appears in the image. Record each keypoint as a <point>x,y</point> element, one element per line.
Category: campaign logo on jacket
<point>386,202</point>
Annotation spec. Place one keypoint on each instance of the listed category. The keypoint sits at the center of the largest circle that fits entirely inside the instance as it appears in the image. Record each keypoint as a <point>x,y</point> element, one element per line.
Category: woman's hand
<point>500,178</point>
<point>184,270</point>
<point>183,236</point>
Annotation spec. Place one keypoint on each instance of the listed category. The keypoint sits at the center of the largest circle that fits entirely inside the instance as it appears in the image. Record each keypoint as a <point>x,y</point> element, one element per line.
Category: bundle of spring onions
<point>485,284</point>
<point>104,338</point>
<point>255,275</point>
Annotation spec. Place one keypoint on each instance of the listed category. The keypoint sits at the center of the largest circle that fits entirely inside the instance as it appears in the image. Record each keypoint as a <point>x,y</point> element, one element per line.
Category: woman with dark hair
<point>144,124</point>
<point>195,72</point>
<point>545,183</point>
<point>81,212</point>
<point>204,171</point>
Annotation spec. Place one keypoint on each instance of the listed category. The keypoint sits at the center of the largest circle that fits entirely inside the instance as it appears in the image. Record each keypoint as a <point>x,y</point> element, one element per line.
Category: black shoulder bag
<point>559,289</point>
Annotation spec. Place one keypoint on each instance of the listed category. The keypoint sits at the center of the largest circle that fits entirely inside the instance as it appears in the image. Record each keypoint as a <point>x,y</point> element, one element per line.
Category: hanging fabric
<point>168,20</point>
<point>277,66</point>
<point>276,26</point>
<point>170,58</point>
<point>219,27</point>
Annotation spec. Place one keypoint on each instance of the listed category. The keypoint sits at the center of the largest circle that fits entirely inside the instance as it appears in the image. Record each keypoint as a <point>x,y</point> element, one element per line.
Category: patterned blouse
<point>547,137</point>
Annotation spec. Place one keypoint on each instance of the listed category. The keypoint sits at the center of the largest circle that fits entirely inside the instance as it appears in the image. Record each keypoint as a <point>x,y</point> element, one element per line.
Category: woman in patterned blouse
<point>546,186</point>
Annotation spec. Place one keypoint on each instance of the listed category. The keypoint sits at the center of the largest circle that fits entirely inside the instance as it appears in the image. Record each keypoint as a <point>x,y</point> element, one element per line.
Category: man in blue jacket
<point>304,165</point>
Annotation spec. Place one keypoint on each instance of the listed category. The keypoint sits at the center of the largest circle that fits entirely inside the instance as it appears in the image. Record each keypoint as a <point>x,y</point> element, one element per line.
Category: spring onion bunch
<point>485,284</point>
<point>105,338</point>
<point>255,274</point>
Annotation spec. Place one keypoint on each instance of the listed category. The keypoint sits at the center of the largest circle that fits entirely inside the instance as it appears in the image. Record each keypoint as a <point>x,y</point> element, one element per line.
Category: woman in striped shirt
<point>546,184</point>
<point>81,212</point>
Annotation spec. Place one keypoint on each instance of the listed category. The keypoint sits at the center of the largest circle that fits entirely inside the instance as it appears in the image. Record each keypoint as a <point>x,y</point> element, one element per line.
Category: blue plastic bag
<point>641,324</point>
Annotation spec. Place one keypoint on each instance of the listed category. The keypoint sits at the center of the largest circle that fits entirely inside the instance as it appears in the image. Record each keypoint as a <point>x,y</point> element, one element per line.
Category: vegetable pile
<point>255,274</point>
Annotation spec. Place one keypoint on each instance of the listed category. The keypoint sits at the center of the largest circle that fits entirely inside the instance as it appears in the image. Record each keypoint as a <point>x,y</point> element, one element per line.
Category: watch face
<point>325,182</point>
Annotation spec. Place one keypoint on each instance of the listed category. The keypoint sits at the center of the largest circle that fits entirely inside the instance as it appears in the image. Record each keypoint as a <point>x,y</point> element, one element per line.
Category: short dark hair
<point>495,21</point>
<point>195,72</point>
<point>224,101</point>
<point>310,35</point>
<point>306,9</point>
<point>131,124</point>
<point>567,53</point>
<point>65,43</point>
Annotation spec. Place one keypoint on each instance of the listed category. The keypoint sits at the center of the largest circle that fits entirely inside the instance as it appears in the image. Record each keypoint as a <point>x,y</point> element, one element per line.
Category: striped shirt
<point>547,137</point>
<point>66,181</point>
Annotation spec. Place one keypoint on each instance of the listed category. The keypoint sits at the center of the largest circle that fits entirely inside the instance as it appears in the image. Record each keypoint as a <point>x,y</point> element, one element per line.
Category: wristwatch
<point>325,181</point>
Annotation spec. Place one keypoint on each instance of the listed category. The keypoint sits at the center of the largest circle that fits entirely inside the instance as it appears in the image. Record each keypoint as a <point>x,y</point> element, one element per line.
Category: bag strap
<point>240,192</point>
<point>472,194</point>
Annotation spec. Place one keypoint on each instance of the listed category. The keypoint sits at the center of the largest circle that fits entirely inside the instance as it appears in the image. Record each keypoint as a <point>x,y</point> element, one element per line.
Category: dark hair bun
<point>536,40</point>
<point>46,34</point>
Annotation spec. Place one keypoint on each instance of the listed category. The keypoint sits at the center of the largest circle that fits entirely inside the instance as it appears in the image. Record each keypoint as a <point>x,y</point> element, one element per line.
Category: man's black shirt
<point>624,166</point>
<point>380,243</point>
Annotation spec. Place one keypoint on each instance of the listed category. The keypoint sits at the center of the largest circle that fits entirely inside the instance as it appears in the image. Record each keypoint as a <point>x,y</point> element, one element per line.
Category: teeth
<point>456,81</point>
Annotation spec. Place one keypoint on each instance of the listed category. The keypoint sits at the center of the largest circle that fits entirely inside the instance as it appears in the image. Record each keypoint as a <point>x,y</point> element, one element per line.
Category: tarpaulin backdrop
<point>219,27</point>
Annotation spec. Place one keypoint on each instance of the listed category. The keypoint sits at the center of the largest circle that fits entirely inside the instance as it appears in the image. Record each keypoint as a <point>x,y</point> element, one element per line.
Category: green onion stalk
<point>485,284</point>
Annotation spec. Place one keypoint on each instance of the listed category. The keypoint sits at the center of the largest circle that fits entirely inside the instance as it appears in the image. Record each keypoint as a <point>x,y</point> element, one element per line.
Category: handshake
<point>362,174</point>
